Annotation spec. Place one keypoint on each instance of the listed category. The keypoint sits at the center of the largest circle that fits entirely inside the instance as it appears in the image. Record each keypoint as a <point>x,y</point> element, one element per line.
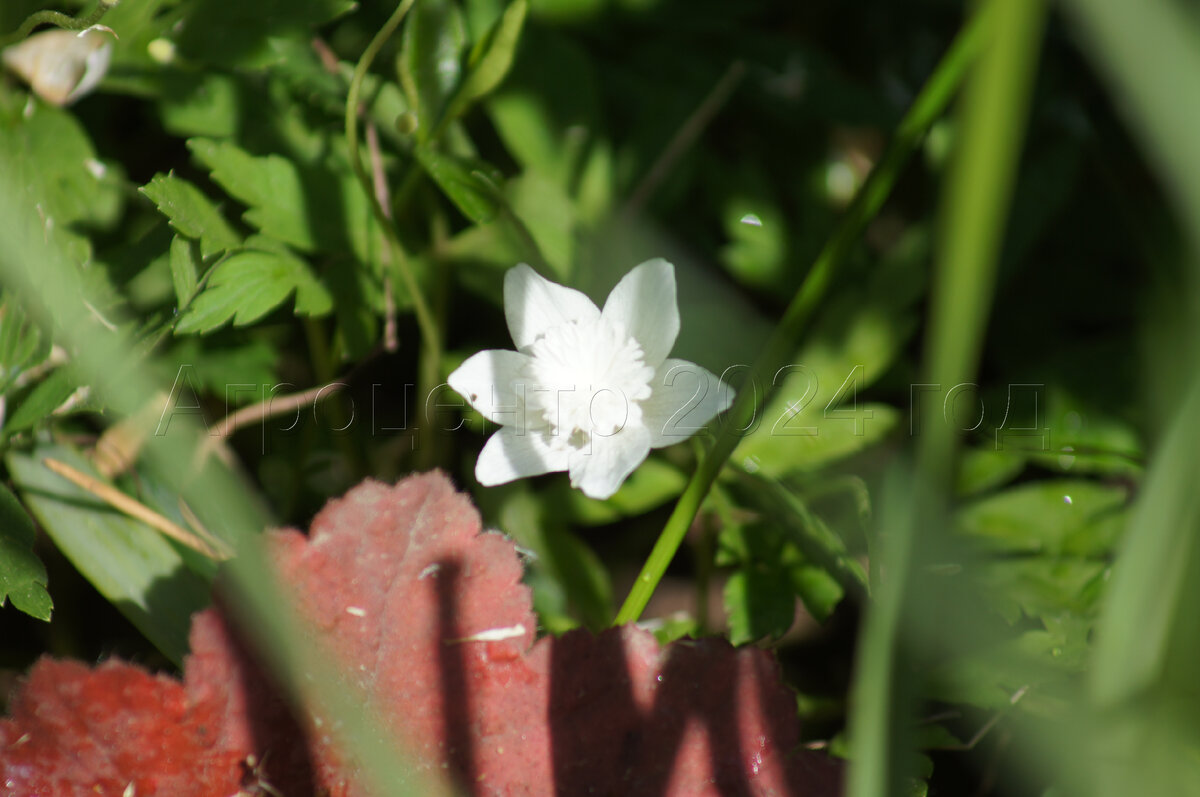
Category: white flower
<point>587,391</point>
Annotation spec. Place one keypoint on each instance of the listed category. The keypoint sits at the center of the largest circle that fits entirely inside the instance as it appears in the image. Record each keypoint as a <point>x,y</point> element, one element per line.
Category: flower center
<point>587,379</point>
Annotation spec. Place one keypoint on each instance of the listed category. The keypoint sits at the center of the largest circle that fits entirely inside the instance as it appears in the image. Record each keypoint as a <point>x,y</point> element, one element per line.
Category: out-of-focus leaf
<point>1048,517</point>
<point>490,58</point>
<point>237,34</point>
<point>204,104</point>
<point>43,399</point>
<point>548,118</point>
<point>982,469</point>
<point>429,62</point>
<point>22,344</point>
<point>472,187</point>
<point>128,563</point>
<point>250,284</point>
<point>192,213</point>
<point>223,371</point>
<point>49,152</point>
<point>757,250</point>
<point>22,575</point>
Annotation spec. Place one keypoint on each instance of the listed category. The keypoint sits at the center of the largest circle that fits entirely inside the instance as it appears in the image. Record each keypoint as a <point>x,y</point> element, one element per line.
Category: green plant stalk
<point>975,206</point>
<point>925,110</point>
<point>58,19</point>
<point>431,353</point>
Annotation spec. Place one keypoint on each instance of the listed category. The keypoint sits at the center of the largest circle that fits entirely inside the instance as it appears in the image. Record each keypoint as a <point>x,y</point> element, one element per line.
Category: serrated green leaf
<point>269,185</point>
<point>429,63</point>
<point>185,269</point>
<point>22,575</point>
<point>43,399</point>
<point>315,207</point>
<point>128,563</point>
<point>192,213</point>
<point>491,58</point>
<point>470,186</point>
<point>250,284</point>
<point>760,602</point>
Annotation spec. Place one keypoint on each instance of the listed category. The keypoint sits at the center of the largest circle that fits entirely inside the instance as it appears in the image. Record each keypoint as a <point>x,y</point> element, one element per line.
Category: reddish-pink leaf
<point>112,730</point>
<point>428,617</point>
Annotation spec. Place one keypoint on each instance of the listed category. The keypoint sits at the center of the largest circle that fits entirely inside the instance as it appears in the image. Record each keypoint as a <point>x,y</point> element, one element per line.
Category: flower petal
<point>488,381</point>
<point>515,453</point>
<point>600,468</point>
<point>644,304</point>
<point>533,304</point>
<point>685,397</point>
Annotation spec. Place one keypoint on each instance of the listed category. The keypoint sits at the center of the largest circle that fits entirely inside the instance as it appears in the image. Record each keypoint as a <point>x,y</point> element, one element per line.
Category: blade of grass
<point>975,205</point>
<point>1150,53</point>
<point>925,110</point>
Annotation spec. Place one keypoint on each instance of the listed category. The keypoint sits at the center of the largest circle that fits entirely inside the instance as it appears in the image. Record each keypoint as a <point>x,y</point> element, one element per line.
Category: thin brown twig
<point>391,340</point>
<point>270,408</point>
<point>137,510</point>
<point>684,138</point>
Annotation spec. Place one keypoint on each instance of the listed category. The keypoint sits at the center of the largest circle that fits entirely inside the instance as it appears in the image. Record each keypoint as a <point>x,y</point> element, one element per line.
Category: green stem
<point>925,110</point>
<point>425,317</point>
<point>57,19</point>
<point>974,208</point>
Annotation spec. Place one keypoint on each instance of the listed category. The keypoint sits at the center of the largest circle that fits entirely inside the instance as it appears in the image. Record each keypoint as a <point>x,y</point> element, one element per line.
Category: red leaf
<point>113,730</point>
<point>429,618</point>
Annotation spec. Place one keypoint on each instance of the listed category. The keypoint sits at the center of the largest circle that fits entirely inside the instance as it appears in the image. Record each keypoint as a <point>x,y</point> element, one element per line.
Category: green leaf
<point>205,104</point>
<point>982,469</point>
<point>250,284</point>
<point>471,186</point>
<point>491,58</point>
<point>548,117</point>
<point>818,413</point>
<point>318,207</point>
<point>430,60</point>
<point>237,33</point>
<point>191,212</point>
<point>128,563</point>
<point>21,344</point>
<point>760,602</point>
<point>185,269</point>
<point>42,400</point>
<point>1069,516</point>
<point>22,575</point>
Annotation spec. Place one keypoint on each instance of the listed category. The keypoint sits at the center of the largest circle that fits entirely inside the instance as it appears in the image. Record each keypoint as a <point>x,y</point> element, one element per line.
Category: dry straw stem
<point>215,549</point>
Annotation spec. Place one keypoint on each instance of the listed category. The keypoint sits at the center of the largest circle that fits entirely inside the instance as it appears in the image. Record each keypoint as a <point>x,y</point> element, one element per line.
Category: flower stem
<point>925,110</point>
<point>58,19</point>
